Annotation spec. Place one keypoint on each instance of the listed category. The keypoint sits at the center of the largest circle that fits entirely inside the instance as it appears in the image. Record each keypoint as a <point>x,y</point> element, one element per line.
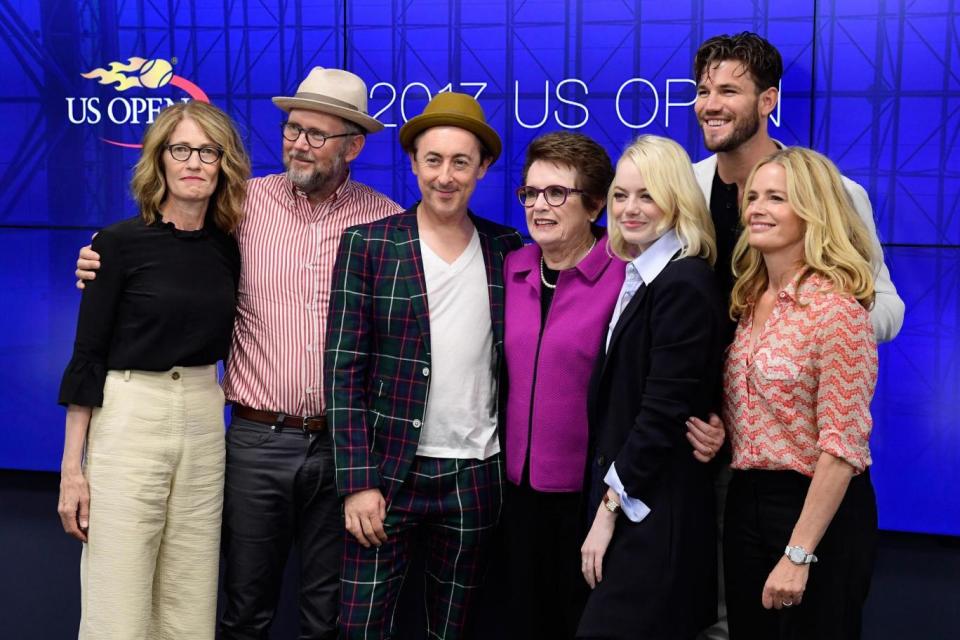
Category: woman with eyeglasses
<point>142,471</point>
<point>558,295</point>
<point>650,554</point>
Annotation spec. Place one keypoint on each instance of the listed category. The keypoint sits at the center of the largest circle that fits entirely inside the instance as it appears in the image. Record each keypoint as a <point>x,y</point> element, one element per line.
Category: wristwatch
<point>798,555</point>
<point>610,504</point>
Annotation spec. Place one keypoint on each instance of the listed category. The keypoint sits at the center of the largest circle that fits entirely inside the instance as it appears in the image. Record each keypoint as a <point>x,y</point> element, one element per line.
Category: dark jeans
<point>279,489</point>
<point>543,533</point>
<point>762,509</point>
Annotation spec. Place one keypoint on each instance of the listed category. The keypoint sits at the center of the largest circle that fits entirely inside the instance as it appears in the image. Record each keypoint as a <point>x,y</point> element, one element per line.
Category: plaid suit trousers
<point>455,504</point>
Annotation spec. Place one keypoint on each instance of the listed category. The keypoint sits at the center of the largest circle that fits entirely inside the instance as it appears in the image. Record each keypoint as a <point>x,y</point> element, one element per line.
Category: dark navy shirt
<point>725,211</point>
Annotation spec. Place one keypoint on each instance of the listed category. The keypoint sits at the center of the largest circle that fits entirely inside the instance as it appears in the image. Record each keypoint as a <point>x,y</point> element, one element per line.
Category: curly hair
<point>836,242</point>
<point>149,185</point>
<point>669,178</point>
<point>578,152</point>
<point>760,58</point>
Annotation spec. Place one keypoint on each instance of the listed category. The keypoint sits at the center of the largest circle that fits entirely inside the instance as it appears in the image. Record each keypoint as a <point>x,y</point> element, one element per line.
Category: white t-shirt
<point>460,420</point>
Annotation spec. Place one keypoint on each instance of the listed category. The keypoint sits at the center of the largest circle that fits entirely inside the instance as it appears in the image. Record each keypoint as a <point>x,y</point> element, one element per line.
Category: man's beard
<point>318,178</point>
<point>743,130</point>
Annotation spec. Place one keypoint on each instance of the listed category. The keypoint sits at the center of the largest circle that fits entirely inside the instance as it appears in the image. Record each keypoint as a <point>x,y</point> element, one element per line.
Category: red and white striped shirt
<point>288,249</point>
<point>807,385</point>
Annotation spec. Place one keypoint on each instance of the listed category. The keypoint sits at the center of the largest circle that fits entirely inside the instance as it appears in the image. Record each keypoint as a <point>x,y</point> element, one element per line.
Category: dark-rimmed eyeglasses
<point>182,153</point>
<point>555,195</point>
<point>316,139</point>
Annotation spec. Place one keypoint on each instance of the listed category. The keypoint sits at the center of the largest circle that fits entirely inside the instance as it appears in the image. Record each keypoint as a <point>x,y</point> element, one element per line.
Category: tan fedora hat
<point>450,109</point>
<point>333,91</point>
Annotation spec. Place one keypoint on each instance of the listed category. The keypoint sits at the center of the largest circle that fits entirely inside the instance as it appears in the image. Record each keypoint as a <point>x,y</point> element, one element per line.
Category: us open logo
<point>143,73</point>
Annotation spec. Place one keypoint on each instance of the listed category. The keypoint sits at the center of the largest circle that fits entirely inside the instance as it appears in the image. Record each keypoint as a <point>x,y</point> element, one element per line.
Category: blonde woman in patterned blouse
<point>800,522</point>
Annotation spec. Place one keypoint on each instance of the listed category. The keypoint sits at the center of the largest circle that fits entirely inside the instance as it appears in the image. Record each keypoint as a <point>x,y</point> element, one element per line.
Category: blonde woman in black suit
<point>650,554</point>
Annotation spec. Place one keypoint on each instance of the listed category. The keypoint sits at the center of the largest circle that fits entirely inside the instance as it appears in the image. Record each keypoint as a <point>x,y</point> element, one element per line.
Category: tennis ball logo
<point>135,72</point>
<point>141,72</point>
<point>155,73</point>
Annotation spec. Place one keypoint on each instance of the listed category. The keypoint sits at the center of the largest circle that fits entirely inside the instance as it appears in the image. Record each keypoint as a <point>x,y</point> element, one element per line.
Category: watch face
<point>797,555</point>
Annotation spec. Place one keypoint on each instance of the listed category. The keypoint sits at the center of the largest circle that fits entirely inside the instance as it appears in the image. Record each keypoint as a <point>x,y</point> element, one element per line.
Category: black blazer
<point>662,366</point>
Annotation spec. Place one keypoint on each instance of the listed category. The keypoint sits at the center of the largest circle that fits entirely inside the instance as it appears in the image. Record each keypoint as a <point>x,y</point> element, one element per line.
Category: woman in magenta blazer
<point>560,292</point>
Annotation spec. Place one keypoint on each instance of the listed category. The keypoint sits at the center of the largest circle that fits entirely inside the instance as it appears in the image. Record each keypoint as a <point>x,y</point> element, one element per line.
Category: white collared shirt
<point>643,270</point>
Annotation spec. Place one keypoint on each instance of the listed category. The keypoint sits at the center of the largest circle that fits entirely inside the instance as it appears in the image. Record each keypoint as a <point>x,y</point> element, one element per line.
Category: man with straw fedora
<point>414,342</point>
<point>279,485</point>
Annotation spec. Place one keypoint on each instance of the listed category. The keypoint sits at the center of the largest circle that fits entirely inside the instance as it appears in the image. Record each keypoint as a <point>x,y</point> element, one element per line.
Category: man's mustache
<point>303,157</point>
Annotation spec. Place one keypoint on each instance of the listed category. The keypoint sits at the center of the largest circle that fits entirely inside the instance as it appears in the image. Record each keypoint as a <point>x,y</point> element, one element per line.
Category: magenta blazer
<point>552,373</point>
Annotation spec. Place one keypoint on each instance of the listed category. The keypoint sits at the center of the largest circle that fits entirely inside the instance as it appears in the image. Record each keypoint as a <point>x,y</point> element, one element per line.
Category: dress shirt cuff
<point>633,508</point>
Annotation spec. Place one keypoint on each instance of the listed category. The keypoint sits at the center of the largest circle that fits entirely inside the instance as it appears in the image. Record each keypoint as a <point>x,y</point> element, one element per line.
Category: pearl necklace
<point>543,276</point>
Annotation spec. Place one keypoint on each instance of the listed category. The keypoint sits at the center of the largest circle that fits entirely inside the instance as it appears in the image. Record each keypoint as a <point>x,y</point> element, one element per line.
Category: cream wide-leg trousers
<point>154,463</point>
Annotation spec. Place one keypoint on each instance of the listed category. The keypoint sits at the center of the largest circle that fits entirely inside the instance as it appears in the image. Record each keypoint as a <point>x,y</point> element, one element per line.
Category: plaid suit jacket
<point>378,346</point>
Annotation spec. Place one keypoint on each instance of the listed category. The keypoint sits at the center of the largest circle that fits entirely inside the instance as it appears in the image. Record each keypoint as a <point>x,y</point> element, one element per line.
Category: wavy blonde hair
<point>836,242</point>
<point>669,178</point>
<point>149,184</point>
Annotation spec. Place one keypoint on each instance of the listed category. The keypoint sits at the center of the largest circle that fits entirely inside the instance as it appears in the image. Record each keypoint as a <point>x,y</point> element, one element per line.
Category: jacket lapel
<point>409,261</point>
<point>493,261</point>
<point>632,309</point>
<point>633,306</point>
<point>703,171</point>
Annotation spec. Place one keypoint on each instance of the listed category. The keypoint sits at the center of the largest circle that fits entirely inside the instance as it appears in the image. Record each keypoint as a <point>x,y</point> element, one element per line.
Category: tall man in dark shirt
<point>738,79</point>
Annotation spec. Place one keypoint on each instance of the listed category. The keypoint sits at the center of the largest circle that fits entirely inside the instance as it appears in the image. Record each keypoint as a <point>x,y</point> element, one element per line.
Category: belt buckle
<point>304,421</point>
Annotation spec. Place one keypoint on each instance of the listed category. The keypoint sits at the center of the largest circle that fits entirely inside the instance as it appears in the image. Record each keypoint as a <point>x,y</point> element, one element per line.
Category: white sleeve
<point>888,308</point>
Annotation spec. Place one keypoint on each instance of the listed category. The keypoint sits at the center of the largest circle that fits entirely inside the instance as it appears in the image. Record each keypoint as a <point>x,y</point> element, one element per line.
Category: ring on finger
<point>787,603</point>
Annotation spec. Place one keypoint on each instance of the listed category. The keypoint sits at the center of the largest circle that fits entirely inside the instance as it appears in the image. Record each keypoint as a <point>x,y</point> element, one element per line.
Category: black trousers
<point>762,509</point>
<point>543,533</point>
<point>279,490</point>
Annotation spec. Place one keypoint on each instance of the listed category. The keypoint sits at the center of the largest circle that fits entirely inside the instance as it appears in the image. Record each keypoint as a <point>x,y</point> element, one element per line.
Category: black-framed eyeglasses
<point>555,195</point>
<point>316,139</point>
<point>182,153</point>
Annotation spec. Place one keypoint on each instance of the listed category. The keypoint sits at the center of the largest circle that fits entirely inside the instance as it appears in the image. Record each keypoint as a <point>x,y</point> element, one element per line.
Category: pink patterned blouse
<point>807,387</point>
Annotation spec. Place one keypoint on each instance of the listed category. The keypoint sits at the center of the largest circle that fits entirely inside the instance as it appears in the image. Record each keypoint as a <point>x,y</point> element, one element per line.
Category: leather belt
<point>275,419</point>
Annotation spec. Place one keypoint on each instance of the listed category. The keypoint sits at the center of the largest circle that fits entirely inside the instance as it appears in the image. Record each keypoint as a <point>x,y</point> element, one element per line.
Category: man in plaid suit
<point>414,341</point>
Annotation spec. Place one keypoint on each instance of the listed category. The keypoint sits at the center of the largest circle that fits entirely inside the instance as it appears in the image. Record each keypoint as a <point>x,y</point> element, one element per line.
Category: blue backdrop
<point>873,85</point>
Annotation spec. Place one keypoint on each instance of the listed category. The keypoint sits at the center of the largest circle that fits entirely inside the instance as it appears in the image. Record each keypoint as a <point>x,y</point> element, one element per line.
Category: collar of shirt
<point>337,198</point>
<point>793,289</point>
<point>800,291</point>
<point>647,266</point>
<point>718,183</point>
<point>644,269</point>
<point>804,286</point>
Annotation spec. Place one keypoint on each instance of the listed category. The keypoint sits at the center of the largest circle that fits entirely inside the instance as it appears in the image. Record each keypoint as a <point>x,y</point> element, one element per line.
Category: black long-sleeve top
<point>162,298</point>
